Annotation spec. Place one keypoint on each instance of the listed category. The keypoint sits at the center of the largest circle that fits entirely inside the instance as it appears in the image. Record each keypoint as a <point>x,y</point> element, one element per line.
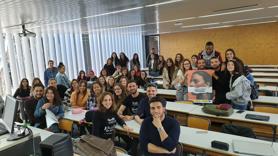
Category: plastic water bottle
<point>90,105</point>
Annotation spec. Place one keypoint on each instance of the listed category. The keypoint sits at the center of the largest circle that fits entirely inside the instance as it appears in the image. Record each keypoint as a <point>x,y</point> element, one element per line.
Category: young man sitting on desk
<point>143,110</point>
<point>159,134</point>
<point>128,110</point>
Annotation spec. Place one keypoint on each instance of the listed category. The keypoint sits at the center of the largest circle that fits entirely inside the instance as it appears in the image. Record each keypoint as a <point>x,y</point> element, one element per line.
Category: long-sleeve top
<point>62,79</point>
<point>221,87</point>
<point>104,123</point>
<point>30,106</point>
<point>66,100</point>
<point>240,90</point>
<point>110,69</point>
<point>143,110</point>
<point>58,110</point>
<point>79,101</point>
<point>49,73</point>
<point>22,92</point>
<point>149,134</point>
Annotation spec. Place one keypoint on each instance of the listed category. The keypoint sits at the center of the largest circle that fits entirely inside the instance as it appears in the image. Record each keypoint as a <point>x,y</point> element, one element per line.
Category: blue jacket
<point>49,73</point>
<point>62,79</point>
<point>57,110</point>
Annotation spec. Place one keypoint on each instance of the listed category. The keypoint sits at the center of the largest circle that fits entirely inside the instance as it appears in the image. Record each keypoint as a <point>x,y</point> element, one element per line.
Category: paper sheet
<point>50,118</point>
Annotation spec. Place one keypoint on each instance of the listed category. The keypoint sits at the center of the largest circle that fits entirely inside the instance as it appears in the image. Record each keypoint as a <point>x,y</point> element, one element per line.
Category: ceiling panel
<point>154,16</point>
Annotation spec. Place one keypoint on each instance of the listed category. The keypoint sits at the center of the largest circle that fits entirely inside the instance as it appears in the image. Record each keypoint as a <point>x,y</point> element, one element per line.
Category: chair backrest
<point>179,150</point>
<point>266,109</point>
<point>198,122</point>
<point>65,125</point>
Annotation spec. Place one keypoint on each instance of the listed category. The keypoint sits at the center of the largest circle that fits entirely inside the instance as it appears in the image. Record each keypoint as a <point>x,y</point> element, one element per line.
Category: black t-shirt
<point>132,103</point>
<point>104,123</point>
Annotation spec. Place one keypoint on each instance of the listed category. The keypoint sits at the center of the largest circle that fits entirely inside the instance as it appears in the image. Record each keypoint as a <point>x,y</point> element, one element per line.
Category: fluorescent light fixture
<point>179,19</point>
<point>248,19</point>
<point>275,6</point>
<point>257,23</point>
<point>163,3</point>
<point>233,12</point>
<point>223,26</point>
<point>199,25</point>
<point>178,24</point>
<point>114,12</point>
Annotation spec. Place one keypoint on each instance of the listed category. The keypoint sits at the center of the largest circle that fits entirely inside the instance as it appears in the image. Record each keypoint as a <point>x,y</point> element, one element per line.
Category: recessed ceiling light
<point>199,25</point>
<point>223,26</point>
<point>233,12</point>
<point>178,24</point>
<point>275,6</point>
<point>247,19</point>
<point>162,3</point>
<point>256,23</point>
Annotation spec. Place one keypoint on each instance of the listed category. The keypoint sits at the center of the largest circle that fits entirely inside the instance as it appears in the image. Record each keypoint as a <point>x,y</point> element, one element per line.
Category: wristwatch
<point>159,129</point>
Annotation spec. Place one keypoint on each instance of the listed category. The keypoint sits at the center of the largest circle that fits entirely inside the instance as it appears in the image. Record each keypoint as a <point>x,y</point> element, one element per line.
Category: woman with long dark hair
<point>51,102</point>
<point>134,61</point>
<point>123,61</point>
<point>169,73</point>
<point>240,88</point>
<point>115,59</point>
<point>80,97</point>
<point>82,76</point>
<point>23,90</point>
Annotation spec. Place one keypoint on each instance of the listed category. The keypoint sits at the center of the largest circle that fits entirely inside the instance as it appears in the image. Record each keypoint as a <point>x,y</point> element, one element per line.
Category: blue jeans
<point>240,106</point>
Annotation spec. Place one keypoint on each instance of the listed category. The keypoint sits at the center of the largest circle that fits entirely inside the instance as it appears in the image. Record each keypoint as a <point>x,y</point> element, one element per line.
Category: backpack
<point>215,110</point>
<point>254,87</point>
<point>254,91</point>
<point>90,145</point>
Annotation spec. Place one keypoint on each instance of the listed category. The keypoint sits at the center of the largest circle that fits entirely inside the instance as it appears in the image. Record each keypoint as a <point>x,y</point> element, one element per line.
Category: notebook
<point>253,148</point>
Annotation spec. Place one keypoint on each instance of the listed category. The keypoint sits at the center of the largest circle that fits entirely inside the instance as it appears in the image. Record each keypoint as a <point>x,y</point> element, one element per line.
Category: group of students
<point>106,109</point>
<point>113,97</point>
<point>231,80</point>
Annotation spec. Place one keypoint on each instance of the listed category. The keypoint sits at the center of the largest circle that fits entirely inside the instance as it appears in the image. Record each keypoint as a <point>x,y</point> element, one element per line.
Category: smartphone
<point>240,111</point>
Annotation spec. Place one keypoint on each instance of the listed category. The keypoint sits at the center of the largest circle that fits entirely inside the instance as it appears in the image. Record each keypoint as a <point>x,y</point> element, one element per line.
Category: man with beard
<point>128,110</point>
<point>220,82</point>
<point>31,103</point>
<point>201,64</point>
<point>143,110</point>
<point>159,133</point>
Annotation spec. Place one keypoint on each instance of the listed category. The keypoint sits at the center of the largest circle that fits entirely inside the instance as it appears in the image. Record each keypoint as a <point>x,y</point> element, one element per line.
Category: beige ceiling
<point>154,16</point>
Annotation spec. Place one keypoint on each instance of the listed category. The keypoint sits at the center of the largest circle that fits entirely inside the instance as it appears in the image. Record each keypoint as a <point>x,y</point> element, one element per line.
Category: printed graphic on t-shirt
<point>134,107</point>
<point>109,128</point>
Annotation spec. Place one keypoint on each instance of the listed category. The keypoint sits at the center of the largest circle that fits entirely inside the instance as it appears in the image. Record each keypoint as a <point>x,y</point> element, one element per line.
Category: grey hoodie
<point>240,91</point>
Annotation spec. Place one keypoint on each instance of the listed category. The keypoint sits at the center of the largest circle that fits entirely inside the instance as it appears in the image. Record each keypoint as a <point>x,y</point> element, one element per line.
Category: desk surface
<point>4,144</point>
<point>263,66</point>
<point>267,100</point>
<point>273,121</point>
<point>262,74</point>
<point>268,88</point>
<point>264,70</point>
<point>202,139</point>
<point>266,80</point>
